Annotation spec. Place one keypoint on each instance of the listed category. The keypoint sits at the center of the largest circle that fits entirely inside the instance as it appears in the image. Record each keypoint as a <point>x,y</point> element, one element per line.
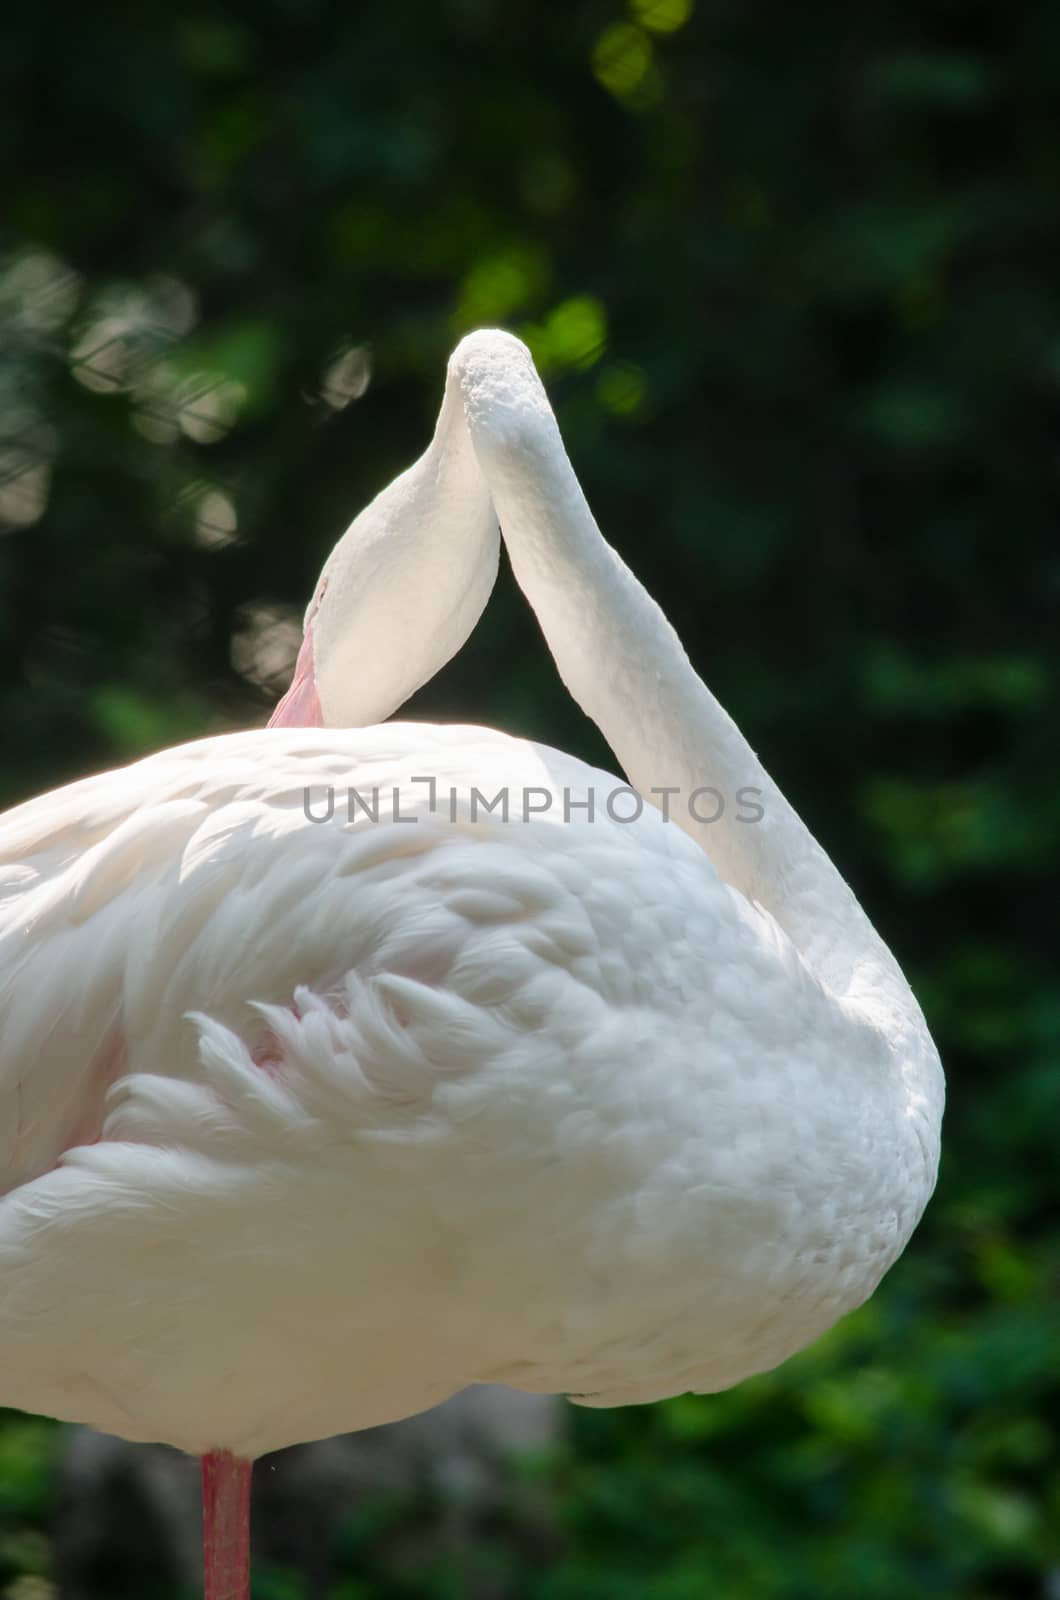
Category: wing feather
<point>196,881</point>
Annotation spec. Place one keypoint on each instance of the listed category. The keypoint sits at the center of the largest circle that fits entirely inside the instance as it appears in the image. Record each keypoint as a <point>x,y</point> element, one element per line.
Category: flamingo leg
<point>226,1525</point>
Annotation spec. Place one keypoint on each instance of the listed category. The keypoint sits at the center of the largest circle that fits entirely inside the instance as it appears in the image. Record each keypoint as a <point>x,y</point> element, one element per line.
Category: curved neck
<point>624,665</point>
<point>402,589</point>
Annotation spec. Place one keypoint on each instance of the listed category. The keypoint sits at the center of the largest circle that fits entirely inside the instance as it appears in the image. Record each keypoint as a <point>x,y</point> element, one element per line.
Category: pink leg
<point>226,1525</point>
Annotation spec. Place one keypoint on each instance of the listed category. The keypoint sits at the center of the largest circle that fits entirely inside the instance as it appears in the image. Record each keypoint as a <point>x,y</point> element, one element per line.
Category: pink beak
<point>300,706</point>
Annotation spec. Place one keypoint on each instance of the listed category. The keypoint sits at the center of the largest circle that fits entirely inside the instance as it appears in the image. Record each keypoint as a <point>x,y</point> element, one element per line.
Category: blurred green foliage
<point>791,274</point>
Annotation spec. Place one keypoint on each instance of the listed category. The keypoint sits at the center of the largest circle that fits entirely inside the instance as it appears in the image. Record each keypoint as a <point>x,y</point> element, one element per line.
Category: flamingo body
<point>340,1037</point>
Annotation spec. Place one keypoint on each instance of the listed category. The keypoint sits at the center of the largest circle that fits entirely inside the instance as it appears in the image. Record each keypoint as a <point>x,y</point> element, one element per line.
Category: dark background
<point>790,273</point>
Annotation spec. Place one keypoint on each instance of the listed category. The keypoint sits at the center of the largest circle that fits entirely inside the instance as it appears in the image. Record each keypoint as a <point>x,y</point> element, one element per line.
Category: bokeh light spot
<point>499,285</point>
<point>661,16</point>
<point>265,644</point>
<point>622,58</point>
<point>621,389</point>
<point>573,335</point>
<point>348,376</point>
<point>216,520</point>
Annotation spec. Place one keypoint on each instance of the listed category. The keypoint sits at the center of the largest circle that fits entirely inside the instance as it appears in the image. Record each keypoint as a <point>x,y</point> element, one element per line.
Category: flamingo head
<point>402,589</point>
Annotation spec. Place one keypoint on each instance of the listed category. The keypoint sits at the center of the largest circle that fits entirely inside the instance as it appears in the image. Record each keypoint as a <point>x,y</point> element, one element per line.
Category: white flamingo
<point>309,1123</point>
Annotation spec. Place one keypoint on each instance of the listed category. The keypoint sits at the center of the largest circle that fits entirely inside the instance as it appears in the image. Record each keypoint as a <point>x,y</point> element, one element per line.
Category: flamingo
<point>344,1065</point>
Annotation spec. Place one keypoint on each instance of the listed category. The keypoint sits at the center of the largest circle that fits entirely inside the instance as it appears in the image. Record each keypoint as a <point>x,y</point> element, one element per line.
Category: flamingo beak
<point>300,706</point>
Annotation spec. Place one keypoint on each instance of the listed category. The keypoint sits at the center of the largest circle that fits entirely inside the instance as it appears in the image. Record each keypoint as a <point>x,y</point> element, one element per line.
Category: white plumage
<point>308,1123</point>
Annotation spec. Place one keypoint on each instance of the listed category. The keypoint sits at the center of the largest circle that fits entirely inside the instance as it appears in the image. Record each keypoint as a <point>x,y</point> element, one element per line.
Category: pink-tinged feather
<point>226,1526</point>
<point>300,706</point>
<point>268,1056</point>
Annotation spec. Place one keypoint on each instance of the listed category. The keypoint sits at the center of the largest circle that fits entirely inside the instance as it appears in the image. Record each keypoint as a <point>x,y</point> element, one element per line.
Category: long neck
<point>401,590</point>
<point>624,665</point>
